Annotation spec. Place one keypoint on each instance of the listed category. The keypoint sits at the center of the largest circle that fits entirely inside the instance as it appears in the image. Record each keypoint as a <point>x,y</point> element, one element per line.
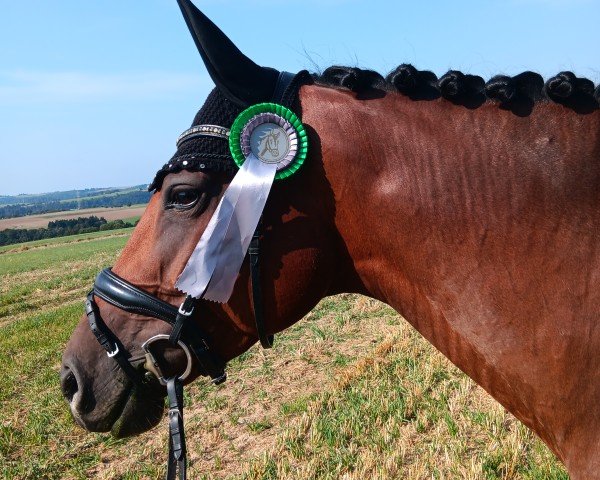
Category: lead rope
<point>177,459</point>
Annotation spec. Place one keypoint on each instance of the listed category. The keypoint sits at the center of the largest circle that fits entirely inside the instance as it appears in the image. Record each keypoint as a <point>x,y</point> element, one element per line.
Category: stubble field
<point>350,392</point>
<point>41,220</point>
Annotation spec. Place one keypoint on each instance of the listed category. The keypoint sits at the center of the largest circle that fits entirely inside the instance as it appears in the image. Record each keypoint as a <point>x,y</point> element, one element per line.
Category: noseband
<point>189,338</point>
<point>116,291</point>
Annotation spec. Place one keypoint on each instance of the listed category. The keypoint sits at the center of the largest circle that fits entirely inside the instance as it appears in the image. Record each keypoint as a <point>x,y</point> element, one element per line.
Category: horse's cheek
<point>302,280</point>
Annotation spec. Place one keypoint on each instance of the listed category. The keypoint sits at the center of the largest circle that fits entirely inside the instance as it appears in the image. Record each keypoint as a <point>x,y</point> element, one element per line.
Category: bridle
<point>194,343</point>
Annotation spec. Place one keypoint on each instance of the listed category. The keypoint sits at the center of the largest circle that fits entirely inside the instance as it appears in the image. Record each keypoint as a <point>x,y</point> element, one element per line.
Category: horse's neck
<point>480,228</point>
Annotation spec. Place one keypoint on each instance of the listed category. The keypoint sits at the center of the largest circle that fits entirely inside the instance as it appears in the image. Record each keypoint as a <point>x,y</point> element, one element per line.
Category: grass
<point>63,241</point>
<point>403,413</point>
<point>350,392</point>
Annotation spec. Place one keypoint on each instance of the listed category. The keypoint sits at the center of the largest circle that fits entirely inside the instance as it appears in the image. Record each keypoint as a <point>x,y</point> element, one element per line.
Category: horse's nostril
<point>69,384</point>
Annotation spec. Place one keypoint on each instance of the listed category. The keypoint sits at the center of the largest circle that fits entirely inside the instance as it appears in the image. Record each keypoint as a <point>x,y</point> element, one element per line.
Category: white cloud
<point>26,86</point>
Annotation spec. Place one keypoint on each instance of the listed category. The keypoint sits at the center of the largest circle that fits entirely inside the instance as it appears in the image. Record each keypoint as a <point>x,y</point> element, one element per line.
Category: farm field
<point>350,392</point>
<point>41,221</point>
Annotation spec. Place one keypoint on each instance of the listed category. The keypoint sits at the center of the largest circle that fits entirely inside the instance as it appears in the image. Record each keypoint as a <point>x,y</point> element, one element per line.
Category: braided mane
<point>518,93</point>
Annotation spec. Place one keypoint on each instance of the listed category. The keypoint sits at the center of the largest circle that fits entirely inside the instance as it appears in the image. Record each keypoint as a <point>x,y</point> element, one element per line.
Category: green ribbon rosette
<point>274,134</point>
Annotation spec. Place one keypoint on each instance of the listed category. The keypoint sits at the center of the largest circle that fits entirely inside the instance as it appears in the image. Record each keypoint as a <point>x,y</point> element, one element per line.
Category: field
<point>41,221</point>
<point>350,392</point>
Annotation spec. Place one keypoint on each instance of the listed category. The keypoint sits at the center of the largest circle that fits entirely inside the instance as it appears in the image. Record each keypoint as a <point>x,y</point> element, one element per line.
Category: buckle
<point>114,352</point>
<point>184,312</point>
<point>152,365</point>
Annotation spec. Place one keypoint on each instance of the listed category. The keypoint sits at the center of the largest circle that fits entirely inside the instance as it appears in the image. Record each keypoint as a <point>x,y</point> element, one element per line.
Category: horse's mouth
<point>142,410</point>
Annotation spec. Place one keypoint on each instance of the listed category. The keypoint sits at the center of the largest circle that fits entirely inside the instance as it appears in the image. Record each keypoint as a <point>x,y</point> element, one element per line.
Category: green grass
<point>131,220</point>
<point>396,416</point>
<point>21,247</point>
<point>61,253</point>
<point>349,392</point>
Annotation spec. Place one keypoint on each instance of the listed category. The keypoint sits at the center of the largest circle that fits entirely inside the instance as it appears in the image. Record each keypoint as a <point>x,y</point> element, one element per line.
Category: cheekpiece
<point>273,134</point>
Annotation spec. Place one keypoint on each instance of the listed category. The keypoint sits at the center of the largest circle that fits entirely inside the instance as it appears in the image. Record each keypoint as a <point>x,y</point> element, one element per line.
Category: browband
<point>203,131</point>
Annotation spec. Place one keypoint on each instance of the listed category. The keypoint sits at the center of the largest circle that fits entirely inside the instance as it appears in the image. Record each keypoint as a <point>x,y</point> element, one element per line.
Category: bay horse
<point>471,208</point>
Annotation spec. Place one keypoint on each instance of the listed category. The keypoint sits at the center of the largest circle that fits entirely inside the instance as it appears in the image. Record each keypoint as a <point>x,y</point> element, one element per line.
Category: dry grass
<point>41,220</point>
<point>229,425</point>
<point>405,412</point>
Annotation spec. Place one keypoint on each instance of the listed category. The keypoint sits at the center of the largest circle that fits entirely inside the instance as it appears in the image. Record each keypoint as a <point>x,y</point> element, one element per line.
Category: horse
<point>471,208</point>
<point>270,141</point>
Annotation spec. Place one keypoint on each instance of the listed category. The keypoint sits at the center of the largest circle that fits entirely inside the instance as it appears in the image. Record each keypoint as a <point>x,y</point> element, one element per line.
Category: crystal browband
<point>203,131</point>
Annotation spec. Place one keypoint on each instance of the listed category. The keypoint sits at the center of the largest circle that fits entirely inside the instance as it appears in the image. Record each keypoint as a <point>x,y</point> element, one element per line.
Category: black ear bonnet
<point>204,153</point>
<point>240,83</point>
<point>212,154</point>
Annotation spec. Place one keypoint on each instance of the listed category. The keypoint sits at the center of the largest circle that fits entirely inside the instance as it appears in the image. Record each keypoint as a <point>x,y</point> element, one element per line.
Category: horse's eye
<point>183,198</point>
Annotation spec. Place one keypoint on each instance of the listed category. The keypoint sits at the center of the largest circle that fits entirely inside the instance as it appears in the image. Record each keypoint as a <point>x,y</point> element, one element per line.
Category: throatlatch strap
<point>257,298</point>
<point>196,341</point>
<point>177,449</point>
<point>183,314</point>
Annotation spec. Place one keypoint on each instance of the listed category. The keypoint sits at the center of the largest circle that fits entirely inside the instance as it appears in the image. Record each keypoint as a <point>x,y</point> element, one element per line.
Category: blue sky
<point>94,93</point>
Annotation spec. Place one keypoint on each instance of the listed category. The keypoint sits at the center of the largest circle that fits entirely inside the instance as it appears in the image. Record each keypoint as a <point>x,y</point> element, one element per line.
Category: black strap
<point>257,297</point>
<point>195,339</point>
<point>114,348</point>
<point>185,311</point>
<point>288,84</point>
<point>285,93</point>
<point>177,449</point>
<point>120,293</point>
<point>283,81</point>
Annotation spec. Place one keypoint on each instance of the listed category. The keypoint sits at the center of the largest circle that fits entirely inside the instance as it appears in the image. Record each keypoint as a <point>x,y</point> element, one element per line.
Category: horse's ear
<point>237,77</point>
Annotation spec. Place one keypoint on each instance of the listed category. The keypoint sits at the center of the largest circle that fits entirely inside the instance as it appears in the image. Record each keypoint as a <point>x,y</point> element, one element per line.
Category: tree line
<point>60,228</point>
<point>31,198</point>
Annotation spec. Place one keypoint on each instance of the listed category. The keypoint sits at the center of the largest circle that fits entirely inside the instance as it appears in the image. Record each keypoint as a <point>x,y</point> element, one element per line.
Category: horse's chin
<point>142,411</point>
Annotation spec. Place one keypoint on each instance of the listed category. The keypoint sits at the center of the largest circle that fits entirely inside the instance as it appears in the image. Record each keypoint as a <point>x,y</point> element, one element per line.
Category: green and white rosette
<point>268,142</point>
<point>274,134</point>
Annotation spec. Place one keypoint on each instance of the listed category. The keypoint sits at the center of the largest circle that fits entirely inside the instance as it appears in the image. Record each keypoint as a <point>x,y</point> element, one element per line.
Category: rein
<point>191,340</point>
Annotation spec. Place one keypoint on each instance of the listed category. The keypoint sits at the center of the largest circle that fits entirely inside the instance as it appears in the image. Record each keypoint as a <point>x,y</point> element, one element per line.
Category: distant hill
<point>31,199</point>
<point>23,205</point>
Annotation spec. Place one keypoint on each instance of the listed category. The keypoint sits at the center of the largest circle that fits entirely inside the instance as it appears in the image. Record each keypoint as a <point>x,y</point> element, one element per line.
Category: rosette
<point>274,134</point>
<point>268,142</point>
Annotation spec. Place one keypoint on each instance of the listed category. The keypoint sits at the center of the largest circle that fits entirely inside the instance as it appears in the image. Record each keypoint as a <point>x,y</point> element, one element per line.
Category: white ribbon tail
<point>216,260</point>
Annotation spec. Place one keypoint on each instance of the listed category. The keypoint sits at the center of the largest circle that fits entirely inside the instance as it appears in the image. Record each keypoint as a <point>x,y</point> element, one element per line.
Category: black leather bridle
<point>120,293</point>
<point>194,343</point>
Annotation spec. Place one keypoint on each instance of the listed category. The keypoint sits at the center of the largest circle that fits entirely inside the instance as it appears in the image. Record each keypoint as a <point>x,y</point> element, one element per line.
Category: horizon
<point>117,187</point>
<point>95,95</point>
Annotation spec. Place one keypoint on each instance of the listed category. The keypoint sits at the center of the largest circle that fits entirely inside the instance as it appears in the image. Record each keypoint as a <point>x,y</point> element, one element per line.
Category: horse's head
<point>298,251</point>
<point>269,142</point>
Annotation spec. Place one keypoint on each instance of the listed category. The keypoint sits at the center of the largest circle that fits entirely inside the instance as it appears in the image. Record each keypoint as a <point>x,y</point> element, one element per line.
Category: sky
<point>95,93</point>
